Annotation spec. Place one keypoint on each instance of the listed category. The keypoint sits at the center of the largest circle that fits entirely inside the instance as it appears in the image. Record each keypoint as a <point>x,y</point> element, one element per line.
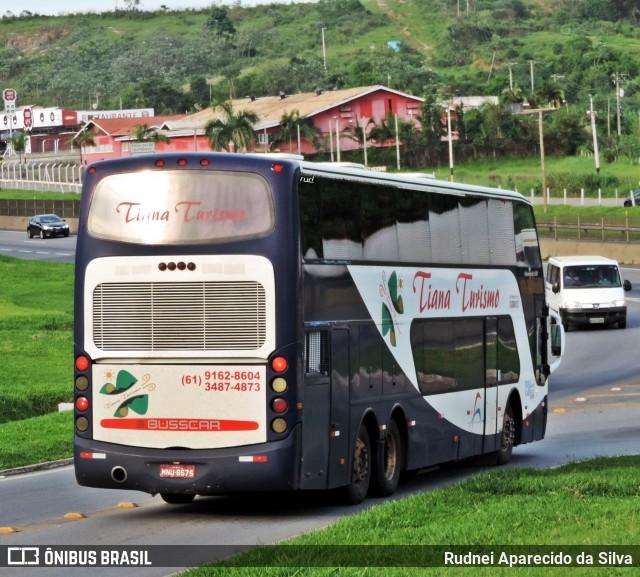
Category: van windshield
<point>591,276</point>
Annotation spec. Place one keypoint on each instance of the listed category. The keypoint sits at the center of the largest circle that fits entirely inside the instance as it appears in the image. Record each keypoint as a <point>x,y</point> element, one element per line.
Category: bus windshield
<point>181,207</point>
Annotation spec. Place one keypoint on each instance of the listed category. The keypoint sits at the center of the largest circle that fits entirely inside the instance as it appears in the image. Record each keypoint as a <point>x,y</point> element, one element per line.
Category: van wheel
<point>360,476</point>
<point>622,324</point>
<point>388,465</point>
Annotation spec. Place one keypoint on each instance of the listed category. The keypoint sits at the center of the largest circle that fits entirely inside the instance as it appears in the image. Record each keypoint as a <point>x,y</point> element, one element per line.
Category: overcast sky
<point>56,7</point>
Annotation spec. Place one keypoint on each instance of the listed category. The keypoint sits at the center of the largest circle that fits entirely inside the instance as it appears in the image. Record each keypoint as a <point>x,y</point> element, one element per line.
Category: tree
<point>234,132</point>
<point>290,124</point>
<point>19,143</point>
<point>158,94</point>
<point>146,133</point>
<point>81,140</point>
<point>219,22</point>
<point>132,5</point>
<point>384,131</point>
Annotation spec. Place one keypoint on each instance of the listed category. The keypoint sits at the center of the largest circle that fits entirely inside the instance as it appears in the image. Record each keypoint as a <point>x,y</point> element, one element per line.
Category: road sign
<point>9,95</point>
<point>27,116</point>
<point>142,147</point>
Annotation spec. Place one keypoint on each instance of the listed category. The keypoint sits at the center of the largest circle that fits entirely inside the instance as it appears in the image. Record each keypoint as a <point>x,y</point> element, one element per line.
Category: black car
<point>45,225</point>
<point>636,199</point>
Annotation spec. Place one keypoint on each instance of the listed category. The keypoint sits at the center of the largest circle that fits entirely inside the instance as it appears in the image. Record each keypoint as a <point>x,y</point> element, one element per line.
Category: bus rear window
<point>181,207</point>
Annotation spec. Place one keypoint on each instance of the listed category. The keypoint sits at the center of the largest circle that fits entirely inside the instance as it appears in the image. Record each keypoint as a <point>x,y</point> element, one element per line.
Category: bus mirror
<point>556,340</point>
<point>626,285</point>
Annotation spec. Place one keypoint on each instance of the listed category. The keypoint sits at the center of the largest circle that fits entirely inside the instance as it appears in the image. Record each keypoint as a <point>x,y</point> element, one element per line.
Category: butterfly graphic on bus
<point>124,383</point>
<point>389,292</point>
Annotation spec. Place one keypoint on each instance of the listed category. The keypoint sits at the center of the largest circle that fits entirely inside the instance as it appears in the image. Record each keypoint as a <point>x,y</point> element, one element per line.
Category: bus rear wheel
<point>360,468</point>
<point>177,498</point>
<point>503,455</point>
<point>389,461</point>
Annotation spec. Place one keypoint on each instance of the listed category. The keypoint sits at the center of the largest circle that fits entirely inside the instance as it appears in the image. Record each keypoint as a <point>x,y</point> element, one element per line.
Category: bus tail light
<point>279,405</point>
<point>82,383</point>
<point>82,363</point>
<point>279,364</point>
<point>279,425</point>
<point>82,424</point>
<point>279,385</point>
<point>82,404</point>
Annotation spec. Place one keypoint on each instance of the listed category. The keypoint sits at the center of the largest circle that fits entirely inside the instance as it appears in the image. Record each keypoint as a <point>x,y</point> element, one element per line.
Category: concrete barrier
<point>624,253</point>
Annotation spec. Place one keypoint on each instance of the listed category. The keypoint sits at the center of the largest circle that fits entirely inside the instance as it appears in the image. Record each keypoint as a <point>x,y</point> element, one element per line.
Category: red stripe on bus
<point>180,424</point>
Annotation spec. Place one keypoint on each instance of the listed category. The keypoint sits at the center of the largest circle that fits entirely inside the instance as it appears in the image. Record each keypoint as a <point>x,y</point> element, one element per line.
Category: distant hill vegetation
<point>532,53</point>
<point>175,60</point>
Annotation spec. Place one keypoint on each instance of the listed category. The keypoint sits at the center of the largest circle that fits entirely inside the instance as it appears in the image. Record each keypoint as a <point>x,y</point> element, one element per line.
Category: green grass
<point>36,337</point>
<point>571,172</point>
<point>592,503</point>
<point>36,440</point>
<point>12,194</point>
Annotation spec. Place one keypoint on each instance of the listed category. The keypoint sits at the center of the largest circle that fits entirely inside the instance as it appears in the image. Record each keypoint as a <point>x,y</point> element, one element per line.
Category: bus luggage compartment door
<point>325,430</point>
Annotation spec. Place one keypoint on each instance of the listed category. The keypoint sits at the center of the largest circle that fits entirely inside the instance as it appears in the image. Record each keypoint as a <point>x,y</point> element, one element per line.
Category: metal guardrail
<point>590,230</point>
<point>41,176</point>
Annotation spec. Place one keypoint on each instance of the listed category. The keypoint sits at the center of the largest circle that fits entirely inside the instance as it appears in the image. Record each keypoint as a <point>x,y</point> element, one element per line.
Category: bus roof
<point>413,180</point>
<point>349,170</point>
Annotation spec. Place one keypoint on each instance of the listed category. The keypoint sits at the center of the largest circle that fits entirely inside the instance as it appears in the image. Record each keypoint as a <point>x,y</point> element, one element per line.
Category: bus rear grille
<point>198,316</point>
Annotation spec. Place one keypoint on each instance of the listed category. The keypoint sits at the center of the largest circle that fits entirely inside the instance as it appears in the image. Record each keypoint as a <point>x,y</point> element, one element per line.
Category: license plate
<point>596,321</point>
<point>178,471</point>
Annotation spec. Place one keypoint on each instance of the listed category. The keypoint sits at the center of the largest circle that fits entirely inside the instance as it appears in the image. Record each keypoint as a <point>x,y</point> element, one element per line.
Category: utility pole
<point>544,175</point>
<point>450,142</point>
<point>510,64</point>
<point>532,83</point>
<point>618,80</point>
<point>324,51</point>
<point>592,114</point>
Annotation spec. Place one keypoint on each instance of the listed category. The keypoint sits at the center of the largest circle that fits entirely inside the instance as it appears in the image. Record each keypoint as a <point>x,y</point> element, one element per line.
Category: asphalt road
<point>19,245</point>
<point>594,403</point>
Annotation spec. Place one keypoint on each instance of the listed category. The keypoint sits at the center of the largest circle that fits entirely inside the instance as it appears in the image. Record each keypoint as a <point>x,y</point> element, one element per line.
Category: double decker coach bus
<point>252,323</point>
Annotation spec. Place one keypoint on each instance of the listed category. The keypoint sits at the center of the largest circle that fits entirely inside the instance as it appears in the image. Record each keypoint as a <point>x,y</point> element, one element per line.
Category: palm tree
<point>81,140</point>
<point>293,125</point>
<point>384,131</point>
<point>146,133</point>
<point>233,132</point>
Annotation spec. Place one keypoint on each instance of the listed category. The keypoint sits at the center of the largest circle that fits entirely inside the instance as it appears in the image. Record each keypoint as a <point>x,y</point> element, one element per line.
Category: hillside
<point>180,60</point>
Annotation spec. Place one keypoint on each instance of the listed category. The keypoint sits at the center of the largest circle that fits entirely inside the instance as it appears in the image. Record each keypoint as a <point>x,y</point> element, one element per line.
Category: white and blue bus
<point>255,323</point>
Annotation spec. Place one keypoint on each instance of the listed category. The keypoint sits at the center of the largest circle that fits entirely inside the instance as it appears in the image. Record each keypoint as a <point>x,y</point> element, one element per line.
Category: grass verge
<point>36,337</point>
<point>592,503</point>
<point>18,194</point>
<point>36,440</point>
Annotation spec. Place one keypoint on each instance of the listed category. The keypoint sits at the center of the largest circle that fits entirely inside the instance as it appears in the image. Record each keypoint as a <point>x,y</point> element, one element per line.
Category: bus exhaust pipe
<point>119,474</point>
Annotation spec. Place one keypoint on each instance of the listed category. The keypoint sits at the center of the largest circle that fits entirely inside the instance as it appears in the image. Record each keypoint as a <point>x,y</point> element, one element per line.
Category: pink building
<point>338,115</point>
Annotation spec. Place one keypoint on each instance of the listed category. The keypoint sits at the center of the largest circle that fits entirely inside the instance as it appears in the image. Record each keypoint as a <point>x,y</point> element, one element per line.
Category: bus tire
<point>178,498</point>
<point>503,454</point>
<point>361,465</point>
<point>389,461</point>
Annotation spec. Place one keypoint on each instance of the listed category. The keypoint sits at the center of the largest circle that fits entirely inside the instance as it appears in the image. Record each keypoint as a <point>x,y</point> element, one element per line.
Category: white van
<point>586,290</point>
